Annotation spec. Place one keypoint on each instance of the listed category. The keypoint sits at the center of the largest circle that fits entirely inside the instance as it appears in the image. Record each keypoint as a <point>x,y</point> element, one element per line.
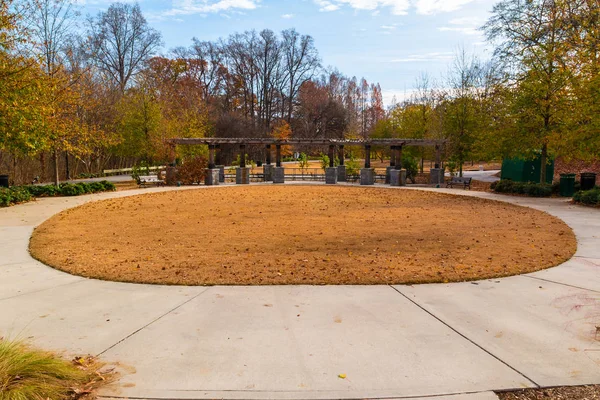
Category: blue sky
<point>387,41</point>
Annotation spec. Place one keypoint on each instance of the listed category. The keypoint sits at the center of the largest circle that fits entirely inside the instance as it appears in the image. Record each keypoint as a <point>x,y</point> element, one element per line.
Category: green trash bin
<point>567,185</point>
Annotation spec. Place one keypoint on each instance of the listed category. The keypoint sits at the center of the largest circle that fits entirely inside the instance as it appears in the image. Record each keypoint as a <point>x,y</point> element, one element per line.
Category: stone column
<point>392,164</point>
<point>367,174</point>
<point>242,174</point>
<point>278,171</point>
<point>341,169</point>
<point>219,162</point>
<point>436,175</point>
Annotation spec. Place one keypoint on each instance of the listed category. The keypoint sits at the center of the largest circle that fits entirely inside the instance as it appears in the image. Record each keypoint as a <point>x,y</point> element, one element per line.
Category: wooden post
<point>218,154</point>
<point>243,156</point>
<point>437,156</point>
<point>268,154</point>
<point>398,157</point>
<point>278,155</point>
<point>393,156</point>
<point>368,156</point>
<point>341,154</point>
<point>331,155</point>
<point>211,156</point>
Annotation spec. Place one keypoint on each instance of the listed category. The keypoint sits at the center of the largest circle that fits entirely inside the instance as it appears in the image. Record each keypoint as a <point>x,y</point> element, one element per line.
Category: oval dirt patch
<point>261,235</point>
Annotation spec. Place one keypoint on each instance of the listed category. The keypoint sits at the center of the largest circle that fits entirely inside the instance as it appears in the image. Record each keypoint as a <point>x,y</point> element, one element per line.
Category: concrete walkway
<point>459,341</point>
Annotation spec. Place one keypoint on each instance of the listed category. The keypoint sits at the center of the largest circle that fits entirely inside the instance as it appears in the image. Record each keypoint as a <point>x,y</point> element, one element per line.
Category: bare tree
<point>122,41</point>
<point>301,63</point>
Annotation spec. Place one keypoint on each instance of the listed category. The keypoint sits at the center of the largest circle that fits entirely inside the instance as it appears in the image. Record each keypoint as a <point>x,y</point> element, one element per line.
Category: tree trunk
<point>544,162</point>
<point>67,170</point>
<point>56,178</point>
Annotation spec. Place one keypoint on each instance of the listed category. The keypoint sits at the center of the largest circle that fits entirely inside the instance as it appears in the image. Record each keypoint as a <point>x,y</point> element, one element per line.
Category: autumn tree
<point>531,43</point>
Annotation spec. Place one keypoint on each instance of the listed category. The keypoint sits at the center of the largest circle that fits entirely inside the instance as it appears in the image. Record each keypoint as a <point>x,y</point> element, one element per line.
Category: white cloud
<point>425,57</point>
<point>465,25</point>
<point>398,7</point>
<point>287,16</point>
<point>187,7</point>
<point>427,7</point>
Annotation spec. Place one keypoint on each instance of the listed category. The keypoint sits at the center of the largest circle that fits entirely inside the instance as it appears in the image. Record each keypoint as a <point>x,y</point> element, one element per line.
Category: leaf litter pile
<point>267,235</point>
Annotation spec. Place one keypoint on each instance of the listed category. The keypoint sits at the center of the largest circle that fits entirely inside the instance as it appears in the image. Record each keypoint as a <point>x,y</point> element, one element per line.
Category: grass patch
<point>30,374</point>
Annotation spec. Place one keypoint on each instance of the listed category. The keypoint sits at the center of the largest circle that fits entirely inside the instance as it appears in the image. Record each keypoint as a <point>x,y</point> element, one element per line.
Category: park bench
<point>144,180</point>
<point>462,181</point>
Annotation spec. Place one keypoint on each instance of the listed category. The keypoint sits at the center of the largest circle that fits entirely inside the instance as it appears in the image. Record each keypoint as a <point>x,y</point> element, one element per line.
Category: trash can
<point>588,180</point>
<point>4,181</point>
<point>567,185</point>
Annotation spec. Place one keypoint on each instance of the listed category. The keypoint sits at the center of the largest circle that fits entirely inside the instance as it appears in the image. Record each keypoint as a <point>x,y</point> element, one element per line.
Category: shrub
<point>108,186</point>
<point>411,165</point>
<point>193,170</point>
<point>14,195</point>
<point>67,189</point>
<point>591,197</point>
<point>96,187</point>
<point>526,188</point>
<point>27,373</point>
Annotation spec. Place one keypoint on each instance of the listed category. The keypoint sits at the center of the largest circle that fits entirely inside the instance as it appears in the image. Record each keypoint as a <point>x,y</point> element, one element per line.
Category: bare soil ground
<point>261,235</point>
<point>558,393</point>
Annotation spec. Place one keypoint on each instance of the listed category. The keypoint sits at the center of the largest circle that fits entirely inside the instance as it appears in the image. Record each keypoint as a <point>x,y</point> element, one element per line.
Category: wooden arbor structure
<point>334,145</point>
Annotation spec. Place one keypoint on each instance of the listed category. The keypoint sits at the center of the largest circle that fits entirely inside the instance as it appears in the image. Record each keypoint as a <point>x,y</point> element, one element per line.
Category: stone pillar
<point>436,176</point>
<point>331,175</point>
<point>242,176</point>
<point>219,163</point>
<point>212,176</point>
<point>278,175</point>
<point>367,176</point>
<point>398,177</point>
<point>341,173</point>
<point>392,164</point>
<point>268,172</point>
<point>388,173</point>
<point>278,155</point>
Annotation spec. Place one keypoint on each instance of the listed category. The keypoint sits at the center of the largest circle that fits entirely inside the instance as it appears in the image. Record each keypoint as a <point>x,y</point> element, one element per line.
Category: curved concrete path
<point>458,341</point>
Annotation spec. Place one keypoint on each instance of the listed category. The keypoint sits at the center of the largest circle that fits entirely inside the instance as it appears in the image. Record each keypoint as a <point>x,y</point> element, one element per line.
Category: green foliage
<point>22,194</point>
<point>249,162</point>
<point>525,188</point>
<point>411,165</point>
<point>324,161</point>
<point>303,161</point>
<point>14,195</point>
<point>352,165</point>
<point>591,197</point>
<point>26,374</point>
<point>142,168</point>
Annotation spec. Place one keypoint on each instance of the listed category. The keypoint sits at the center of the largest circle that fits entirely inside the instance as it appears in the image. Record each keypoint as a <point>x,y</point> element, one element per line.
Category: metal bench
<point>144,180</point>
<point>461,181</point>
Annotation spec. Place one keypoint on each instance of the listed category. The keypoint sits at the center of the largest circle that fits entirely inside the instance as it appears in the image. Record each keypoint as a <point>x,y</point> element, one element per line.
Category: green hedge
<point>22,194</point>
<point>526,188</point>
<point>591,197</point>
